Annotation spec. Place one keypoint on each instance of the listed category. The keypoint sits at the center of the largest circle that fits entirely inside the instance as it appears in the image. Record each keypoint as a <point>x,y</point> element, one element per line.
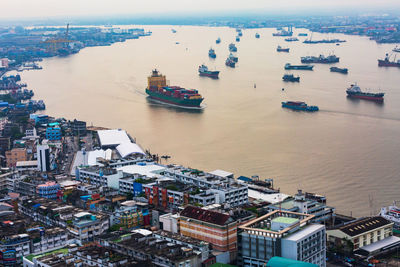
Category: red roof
<point>205,215</point>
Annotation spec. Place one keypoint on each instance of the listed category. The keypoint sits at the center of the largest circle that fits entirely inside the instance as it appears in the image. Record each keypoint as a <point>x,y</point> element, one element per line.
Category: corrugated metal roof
<point>205,215</point>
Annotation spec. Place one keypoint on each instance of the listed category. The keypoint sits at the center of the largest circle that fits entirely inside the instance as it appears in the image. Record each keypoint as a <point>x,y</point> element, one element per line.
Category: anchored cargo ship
<point>355,92</point>
<point>290,78</point>
<point>288,66</point>
<point>340,70</point>
<point>173,95</point>
<point>288,32</point>
<point>321,59</point>
<point>281,49</point>
<point>203,71</point>
<point>211,53</point>
<point>388,63</point>
<point>298,105</point>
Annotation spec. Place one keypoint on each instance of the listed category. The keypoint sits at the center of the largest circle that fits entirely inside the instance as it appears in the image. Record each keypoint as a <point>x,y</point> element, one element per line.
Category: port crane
<point>55,43</point>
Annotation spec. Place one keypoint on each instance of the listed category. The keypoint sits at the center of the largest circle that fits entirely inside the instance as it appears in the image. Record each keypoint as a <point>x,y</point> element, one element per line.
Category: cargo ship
<point>321,59</point>
<point>203,71</point>
<point>288,32</point>
<point>288,66</point>
<point>230,63</point>
<point>281,49</point>
<point>340,70</point>
<point>387,63</point>
<point>218,40</point>
<point>354,91</point>
<point>298,105</point>
<point>233,58</point>
<point>257,35</point>
<point>159,91</point>
<point>232,47</point>
<point>211,53</point>
<point>324,41</point>
<point>290,78</point>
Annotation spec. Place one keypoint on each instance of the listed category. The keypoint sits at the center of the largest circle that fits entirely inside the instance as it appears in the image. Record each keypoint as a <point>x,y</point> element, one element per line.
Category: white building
<point>43,158</point>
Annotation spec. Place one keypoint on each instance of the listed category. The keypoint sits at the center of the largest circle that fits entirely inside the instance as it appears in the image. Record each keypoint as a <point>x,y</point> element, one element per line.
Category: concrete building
<point>43,240</point>
<point>85,226</point>
<point>281,233</point>
<point>216,228</point>
<point>14,155</point>
<point>361,232</point>
<point>78,127</point>
<point>43,158</point>
<point>48,190</point>
<point>53,133</point>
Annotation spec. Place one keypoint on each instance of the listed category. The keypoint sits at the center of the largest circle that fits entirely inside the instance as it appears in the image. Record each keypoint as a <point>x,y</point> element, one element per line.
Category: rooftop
<point>364,225</point>
<point>286,220</point>
<point>113,137</point>
<point>149,170</point>
<point>206,215</point>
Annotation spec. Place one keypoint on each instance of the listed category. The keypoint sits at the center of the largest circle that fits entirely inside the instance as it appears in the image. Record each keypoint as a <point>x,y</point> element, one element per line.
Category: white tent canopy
<point>128,148</point>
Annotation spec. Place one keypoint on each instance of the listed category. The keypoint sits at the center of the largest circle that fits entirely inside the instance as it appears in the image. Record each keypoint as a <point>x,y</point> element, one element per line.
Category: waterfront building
<point>53,133</point>
<point>43,158</point>
<point>216,228</point>
<point>14,155</point>
<point>112,138</point>
<point>360,233</point>
<point>78,127</point>
<point>281,233</point>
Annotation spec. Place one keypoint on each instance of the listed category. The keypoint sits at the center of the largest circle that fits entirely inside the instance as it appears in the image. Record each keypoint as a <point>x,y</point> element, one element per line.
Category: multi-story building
<point>216,228</point>
<point>14,155</point>
<point>16,246</point>
<point>4,175</point>
<point>53,133</point>
<point>281,233</point>
<point>43,240</point>
<point>303,204</point>
<point>78,127</point>
<point>100,176</point>
<point>43,158</point>
<point>85,226</point>
<point>48,190</point>
<point>131,214</point>
<point>361,232</point>
<point>4,144</point>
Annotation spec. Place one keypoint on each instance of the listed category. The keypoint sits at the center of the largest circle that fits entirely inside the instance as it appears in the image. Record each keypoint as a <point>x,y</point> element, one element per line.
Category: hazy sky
<point>51,8</point>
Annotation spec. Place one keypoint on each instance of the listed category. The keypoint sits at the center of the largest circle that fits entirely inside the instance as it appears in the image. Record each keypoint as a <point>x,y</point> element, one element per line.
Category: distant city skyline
<point>23,9</point>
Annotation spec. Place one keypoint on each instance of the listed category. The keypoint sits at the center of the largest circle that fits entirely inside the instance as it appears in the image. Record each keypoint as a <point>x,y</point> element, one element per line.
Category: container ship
<point>340,70</point>
<point>288,32</point>
<point>281,49</point>
<point>173,95</point>
<point>355,92</point>
<point>301,106</point>
<point>387,63</point>
<point>203,71</point>
<point>321,59</point>
<point>290,78</point>
<point>211,53</point>
<point>288,66</point>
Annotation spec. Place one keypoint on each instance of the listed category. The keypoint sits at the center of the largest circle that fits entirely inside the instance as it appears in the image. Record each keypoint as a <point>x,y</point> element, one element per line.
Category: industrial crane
<point>53,43</point>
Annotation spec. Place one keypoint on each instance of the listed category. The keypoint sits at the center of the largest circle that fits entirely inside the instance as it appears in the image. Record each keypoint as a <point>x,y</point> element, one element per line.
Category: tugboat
<point>232,48</point>
<point>211,53</point>
<point>257,35</point>
<point>391,213</point>
<point>291,39</point>
<point>230,63</point>
<point>354,91</point>
<point>233,58</point>
<point>340,70</point>
<point>218,40</point>
<point>387,63</point>
<point>288,66</point>
<point>290,78</point>
<point>203,71</point>
<point>301,106</point>
<point>281,49</point>
<point>321,59</point>
<point>158,90</point>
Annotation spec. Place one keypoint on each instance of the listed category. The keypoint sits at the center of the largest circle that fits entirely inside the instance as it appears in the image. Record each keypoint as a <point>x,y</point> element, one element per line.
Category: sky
<point>20,9</point>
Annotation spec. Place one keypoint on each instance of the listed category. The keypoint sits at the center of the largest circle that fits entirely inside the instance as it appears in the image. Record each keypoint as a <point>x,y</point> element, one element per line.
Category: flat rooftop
<point>113,137</point>
<point>149,170</point>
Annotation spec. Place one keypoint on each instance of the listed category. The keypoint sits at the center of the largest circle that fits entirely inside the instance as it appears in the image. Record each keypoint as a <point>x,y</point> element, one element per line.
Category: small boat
<point>233,58</point>
<point>396,49</point>
<point>288,66</point>
<point>230,63</point>
<point>240,34</point>
<point>290,78</point>
<point>237,39</point>
<point>340,70</point>
<point>218,40</point>
<point>232,47</point>
<point>203,71</point>
<point>298,105</point>
<point>303,34</point>
<point>257,35</point>
<point>173,30</point>
<point>211,53</point>
<point>291,39</point>
<point>281,49</point>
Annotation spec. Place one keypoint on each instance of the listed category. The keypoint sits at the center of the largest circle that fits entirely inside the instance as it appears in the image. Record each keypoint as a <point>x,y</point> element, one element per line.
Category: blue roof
<point>244,178</point>
<point>284,262</point>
